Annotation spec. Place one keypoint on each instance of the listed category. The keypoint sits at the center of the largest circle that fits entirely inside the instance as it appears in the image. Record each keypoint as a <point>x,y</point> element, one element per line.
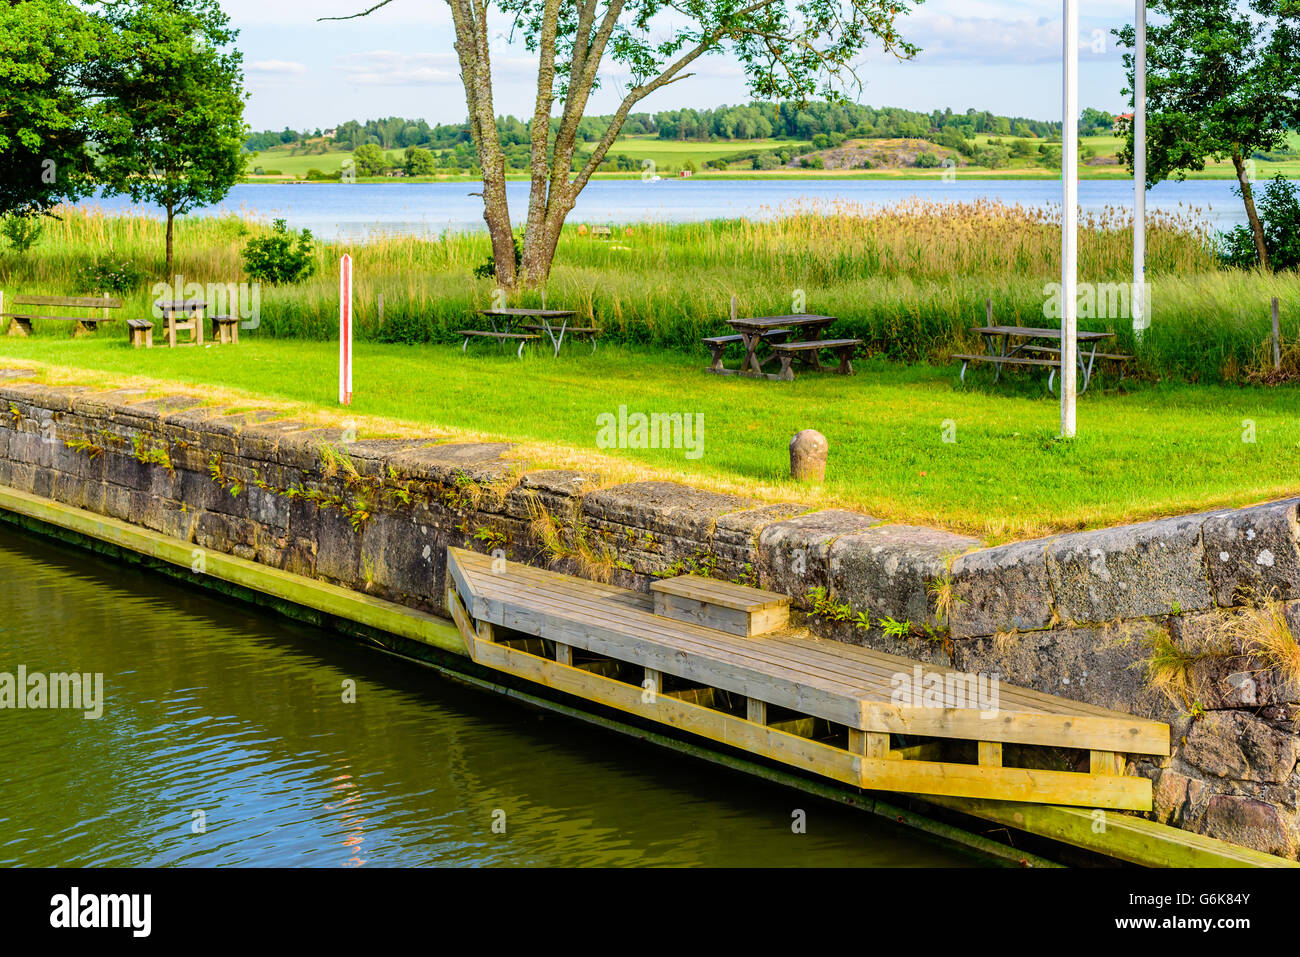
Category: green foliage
<point>110,275</point>
<point>1279,212</point>
<point>370,160</point>
<point>22,232</point>
<point>420,162</point>
<point>279,260</point>
<point>45,115</point>
<point>488,268</point>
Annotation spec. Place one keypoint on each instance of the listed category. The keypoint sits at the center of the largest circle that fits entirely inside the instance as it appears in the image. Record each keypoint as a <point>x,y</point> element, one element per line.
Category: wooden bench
<point>718,345</point>
<point>1118,358</point>
<point>590,333</point>
<point>523,337</point>
<point>726,606</point>
<point>225,329</point>
<point>788,351</point>
<point>20,323</point>
<point>1053,364</point>
<point>140,332</point>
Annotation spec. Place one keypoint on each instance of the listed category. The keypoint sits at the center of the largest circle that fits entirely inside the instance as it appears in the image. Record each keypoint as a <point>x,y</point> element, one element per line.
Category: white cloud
<point>988,40</point>
<point>393,68</point>
<point>270,68</point>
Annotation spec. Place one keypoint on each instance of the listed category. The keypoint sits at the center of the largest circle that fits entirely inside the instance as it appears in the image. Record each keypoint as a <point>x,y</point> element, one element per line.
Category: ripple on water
<point>218,714</point>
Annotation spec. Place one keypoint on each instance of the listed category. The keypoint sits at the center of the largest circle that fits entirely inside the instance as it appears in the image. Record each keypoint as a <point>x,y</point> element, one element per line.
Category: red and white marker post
<point>345,330</point>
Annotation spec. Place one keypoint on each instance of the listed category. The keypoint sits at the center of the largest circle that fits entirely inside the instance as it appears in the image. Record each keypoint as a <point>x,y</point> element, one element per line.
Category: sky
<point>998,55</point>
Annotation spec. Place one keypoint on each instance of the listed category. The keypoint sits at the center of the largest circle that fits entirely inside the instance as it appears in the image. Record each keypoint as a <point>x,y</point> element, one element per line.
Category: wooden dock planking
<point>802,674</point>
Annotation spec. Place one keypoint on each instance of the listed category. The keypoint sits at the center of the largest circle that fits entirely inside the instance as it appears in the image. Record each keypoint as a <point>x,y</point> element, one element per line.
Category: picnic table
<point>182,315</point>
<point>774,332</point>
<point>505,324</point>
<point>1030,346</point>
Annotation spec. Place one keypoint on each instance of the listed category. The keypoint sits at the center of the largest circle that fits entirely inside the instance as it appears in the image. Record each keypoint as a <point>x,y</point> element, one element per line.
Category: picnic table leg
<point>170,318</point>
<point>198,328</point>
<point>786,374</point>
<point>751,349</point>
<point>1087,373</point>
<point>560,341</point>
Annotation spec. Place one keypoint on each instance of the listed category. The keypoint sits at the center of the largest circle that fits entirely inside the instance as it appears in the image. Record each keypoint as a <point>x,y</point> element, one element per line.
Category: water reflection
<point>215,707</point>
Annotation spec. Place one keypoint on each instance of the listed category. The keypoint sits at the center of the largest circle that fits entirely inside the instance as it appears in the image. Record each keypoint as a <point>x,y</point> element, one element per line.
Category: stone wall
<point>1078,615</point>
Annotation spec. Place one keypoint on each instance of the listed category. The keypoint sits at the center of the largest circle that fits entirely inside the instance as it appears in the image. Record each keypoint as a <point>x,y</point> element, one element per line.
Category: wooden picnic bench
<point>20,322</point>
<point>1027,345</point>
<point>774,333</point>
<point>225,329</point>
<point>182,315</point>
<point>788,351</point>
<point>523,338</point>
<point>553,323</point>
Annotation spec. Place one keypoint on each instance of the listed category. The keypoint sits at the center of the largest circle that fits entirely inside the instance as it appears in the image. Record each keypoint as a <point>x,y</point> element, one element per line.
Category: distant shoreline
<point>789,175</point>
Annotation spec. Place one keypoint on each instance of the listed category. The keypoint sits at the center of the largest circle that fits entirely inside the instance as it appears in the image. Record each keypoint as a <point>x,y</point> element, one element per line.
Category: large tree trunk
<point>470,19</point>
<point>1248,196</point>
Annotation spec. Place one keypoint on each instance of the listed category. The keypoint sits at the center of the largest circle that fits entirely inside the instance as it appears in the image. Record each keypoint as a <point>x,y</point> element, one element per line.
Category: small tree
<point>1223,81</point>
<point>370,160</point>
<point>172,101</point>
<point>420,162</point>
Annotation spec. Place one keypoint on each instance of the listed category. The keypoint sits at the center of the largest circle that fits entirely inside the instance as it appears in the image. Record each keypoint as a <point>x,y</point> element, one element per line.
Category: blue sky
<point>998,55</point>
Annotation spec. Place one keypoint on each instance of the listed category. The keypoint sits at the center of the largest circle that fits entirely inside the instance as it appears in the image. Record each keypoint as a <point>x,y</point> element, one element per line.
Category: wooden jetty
<point>721,661</point>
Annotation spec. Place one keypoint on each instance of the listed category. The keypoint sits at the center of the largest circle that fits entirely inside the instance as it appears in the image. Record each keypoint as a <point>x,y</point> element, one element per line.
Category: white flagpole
<point>1070,220</point>
<point>345,330</point>
<point>1140,318</point>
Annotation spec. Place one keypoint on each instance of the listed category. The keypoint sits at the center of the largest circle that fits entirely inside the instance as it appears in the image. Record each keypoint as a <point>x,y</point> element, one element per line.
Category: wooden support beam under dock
<point>851,694</point>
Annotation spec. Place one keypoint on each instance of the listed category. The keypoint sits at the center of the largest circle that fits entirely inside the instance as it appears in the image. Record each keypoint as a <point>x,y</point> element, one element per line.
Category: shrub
<point>926,161</point>
<point>23,232</point>
<point>277,259</point>
<point>1279,213</point>
<point>812,162</point>
<point>110,275</point>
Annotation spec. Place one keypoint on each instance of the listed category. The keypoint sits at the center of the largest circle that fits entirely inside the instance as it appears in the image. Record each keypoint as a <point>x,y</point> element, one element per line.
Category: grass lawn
<point>1156,450</point>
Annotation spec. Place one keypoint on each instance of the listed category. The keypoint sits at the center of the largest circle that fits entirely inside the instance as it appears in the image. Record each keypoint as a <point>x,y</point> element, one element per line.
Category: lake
<point>225,740</point>
<point>359,210</point>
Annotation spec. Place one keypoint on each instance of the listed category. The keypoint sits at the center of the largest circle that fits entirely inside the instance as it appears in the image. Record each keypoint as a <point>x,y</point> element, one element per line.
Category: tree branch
<point>363,13</point>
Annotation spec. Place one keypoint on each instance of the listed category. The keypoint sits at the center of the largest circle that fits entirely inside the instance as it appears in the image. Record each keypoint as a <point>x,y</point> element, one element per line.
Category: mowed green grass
<point>1158,450</point>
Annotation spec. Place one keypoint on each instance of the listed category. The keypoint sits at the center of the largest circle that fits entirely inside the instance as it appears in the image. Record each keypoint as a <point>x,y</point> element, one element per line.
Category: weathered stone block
<point>735,536</point>
<point>1001,589</point>
<point>1100,665</point>
<point>1250,823</point>
<point>446,464</point>
<point>1130,572</point>
<point>400,557</point>
<point>558,491</point>
<point>338,547</point>
<point>794,554</point>
<point>1254,553</point>
<point>889,569</point>
<point>268,509</point>
<point>1242,747</point>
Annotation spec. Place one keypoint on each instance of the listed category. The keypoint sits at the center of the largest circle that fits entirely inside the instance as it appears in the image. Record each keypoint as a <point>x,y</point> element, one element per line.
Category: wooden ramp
<point>861,717</point>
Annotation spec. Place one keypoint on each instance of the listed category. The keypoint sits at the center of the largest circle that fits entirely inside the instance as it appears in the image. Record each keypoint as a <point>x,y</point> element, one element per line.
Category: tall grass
<point>908,279</point>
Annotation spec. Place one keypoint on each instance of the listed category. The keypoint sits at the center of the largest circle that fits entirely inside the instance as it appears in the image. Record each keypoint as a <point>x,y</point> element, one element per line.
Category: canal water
<point>225,739</point>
